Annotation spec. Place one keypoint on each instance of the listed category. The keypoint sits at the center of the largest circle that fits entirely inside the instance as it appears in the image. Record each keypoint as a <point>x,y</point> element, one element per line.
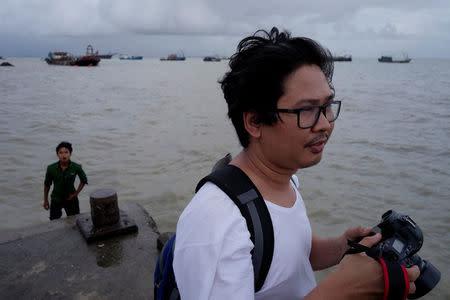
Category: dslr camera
<point>401,240</point>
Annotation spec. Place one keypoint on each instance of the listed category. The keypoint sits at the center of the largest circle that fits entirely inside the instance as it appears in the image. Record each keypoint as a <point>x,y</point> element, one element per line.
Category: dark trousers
<point>71,207</point>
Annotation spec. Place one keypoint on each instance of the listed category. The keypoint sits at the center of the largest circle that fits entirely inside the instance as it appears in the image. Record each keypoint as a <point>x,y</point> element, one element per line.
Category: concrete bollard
<point>106,220</point>
<point>104,207</point>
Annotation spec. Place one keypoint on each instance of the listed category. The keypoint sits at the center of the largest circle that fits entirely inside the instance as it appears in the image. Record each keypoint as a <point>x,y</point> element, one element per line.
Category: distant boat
<point>211,58</point>
<point>174,57</point>
<point>65,59</point>
<point>106,56</point>
<point>342,58</point>
<point>127,57</point>
<point>389,59</point>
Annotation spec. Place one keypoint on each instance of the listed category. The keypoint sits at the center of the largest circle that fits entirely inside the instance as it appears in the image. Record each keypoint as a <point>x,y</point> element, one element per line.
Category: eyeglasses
<point>308,116</point>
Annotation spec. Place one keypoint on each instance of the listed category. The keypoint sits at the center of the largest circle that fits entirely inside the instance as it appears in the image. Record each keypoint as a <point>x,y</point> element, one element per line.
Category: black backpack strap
<point>236,184</point>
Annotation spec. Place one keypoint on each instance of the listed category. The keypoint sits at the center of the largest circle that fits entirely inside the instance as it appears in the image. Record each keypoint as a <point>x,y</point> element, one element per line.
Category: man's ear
<point>251,123</point>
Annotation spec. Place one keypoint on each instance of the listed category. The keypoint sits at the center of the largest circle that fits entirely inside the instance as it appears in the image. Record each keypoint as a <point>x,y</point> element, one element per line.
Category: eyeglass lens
<point>308,117</point>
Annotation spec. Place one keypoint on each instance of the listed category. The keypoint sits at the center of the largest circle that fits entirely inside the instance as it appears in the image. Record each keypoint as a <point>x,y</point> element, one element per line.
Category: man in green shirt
<point>62,173</point>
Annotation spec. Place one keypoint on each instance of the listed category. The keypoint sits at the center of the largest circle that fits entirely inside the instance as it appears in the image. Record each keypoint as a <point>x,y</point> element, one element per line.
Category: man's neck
<point>64,165</point>
<point>260,169</point>
<point>272,182</point>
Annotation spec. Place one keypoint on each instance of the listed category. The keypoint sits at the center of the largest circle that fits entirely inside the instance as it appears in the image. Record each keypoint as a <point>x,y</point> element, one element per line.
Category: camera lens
<point>386,215</point>
<point>429,277</point>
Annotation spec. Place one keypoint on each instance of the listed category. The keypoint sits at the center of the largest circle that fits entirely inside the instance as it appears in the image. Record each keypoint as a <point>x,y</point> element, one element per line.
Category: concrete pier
<point>54,261</point>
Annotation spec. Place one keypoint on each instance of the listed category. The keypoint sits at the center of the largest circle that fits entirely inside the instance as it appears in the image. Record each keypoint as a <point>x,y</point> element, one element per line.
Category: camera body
<point>401,240</point>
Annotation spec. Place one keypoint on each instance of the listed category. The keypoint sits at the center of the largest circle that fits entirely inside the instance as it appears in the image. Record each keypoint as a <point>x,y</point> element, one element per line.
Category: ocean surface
<point>151,129</point>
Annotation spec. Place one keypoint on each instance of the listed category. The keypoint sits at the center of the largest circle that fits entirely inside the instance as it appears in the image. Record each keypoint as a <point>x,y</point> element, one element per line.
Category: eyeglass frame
<point>322,109</point>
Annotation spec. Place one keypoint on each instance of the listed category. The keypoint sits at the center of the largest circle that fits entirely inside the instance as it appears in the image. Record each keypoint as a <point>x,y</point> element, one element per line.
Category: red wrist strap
<point>396,281</point>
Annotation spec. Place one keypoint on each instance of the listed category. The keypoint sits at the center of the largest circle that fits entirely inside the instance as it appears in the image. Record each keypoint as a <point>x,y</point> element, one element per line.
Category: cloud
<point>158,17</point>
<point>324,20</point>
<point>198,17</point>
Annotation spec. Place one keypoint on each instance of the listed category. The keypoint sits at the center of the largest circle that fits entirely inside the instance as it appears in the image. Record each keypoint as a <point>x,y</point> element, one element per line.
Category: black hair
<point>64,145</point>
<point>258,70</point>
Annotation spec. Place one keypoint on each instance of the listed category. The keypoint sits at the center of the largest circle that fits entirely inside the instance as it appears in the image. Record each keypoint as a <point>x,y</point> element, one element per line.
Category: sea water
<point>151,129</point>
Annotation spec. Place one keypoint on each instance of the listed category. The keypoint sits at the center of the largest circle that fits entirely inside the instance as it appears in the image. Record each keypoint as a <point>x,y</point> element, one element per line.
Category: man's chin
<point>312,162</point>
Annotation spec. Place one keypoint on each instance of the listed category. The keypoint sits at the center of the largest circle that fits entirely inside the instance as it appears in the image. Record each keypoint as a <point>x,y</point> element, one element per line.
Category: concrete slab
<point>54,261</point>
<point>125,225</point>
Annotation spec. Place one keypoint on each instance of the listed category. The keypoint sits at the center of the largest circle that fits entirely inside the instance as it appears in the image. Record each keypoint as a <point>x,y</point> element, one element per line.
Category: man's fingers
<point>357,232</point>
<point>413,273</point>
<point>361,231</point>
<point>366,230</point>
<point>412,288</point>
<point>369,241</point>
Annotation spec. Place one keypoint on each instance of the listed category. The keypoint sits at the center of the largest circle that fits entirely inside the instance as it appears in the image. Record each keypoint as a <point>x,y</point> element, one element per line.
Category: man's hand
<point>46,205</point>
<point>352,234</point>
<point>413,272</point>
<point>357,276</point>
<point>360,274</point>
<point>72,196</point>
<point>356,232</point>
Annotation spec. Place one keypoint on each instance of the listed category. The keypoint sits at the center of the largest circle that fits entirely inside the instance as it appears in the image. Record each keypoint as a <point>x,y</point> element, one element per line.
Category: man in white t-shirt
<point>281,102</point>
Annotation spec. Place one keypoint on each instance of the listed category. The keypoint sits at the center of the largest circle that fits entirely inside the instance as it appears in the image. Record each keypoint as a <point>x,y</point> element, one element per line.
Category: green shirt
<point>63,180</point>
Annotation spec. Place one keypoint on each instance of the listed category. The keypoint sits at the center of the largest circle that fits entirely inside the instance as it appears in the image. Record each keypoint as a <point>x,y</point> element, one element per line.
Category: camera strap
<point>396,280</point>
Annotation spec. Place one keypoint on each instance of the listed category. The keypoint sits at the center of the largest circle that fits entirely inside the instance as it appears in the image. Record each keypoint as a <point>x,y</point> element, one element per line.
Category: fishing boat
<point>106,56</point>
<point>174,57</point>
<point>342,58</point>
<point>127,57</point>
<point>389,59</point>
<point>211,58</point>
<point>62,58</point>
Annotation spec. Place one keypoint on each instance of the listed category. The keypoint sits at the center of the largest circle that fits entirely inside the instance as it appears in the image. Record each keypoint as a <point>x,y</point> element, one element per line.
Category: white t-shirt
<point>212,250</point>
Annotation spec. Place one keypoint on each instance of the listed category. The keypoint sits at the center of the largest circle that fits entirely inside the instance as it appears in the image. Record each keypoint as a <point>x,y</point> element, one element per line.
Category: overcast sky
<point>363,28</point>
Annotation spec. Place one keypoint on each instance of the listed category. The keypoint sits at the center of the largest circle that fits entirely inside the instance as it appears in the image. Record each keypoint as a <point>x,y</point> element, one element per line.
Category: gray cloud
<point>339,23</point>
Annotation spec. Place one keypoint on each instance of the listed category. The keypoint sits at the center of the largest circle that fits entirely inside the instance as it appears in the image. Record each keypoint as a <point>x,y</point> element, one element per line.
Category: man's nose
<point>322,122</point>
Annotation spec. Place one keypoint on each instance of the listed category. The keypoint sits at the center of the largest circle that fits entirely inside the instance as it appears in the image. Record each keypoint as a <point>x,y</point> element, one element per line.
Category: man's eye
<point>308,109</point>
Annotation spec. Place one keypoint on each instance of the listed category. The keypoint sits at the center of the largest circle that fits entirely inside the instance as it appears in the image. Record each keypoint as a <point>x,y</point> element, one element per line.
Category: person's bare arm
<point>80,187</point>
<point>328,252</point>
<point>46,190</point>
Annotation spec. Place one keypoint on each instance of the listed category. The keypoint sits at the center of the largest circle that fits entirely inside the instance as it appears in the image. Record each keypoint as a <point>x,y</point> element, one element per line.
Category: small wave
<point>404,149</point>
<point>445,153</point>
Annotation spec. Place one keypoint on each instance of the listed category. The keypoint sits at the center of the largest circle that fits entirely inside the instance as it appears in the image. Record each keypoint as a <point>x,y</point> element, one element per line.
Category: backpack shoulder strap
<point>236,184</point>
